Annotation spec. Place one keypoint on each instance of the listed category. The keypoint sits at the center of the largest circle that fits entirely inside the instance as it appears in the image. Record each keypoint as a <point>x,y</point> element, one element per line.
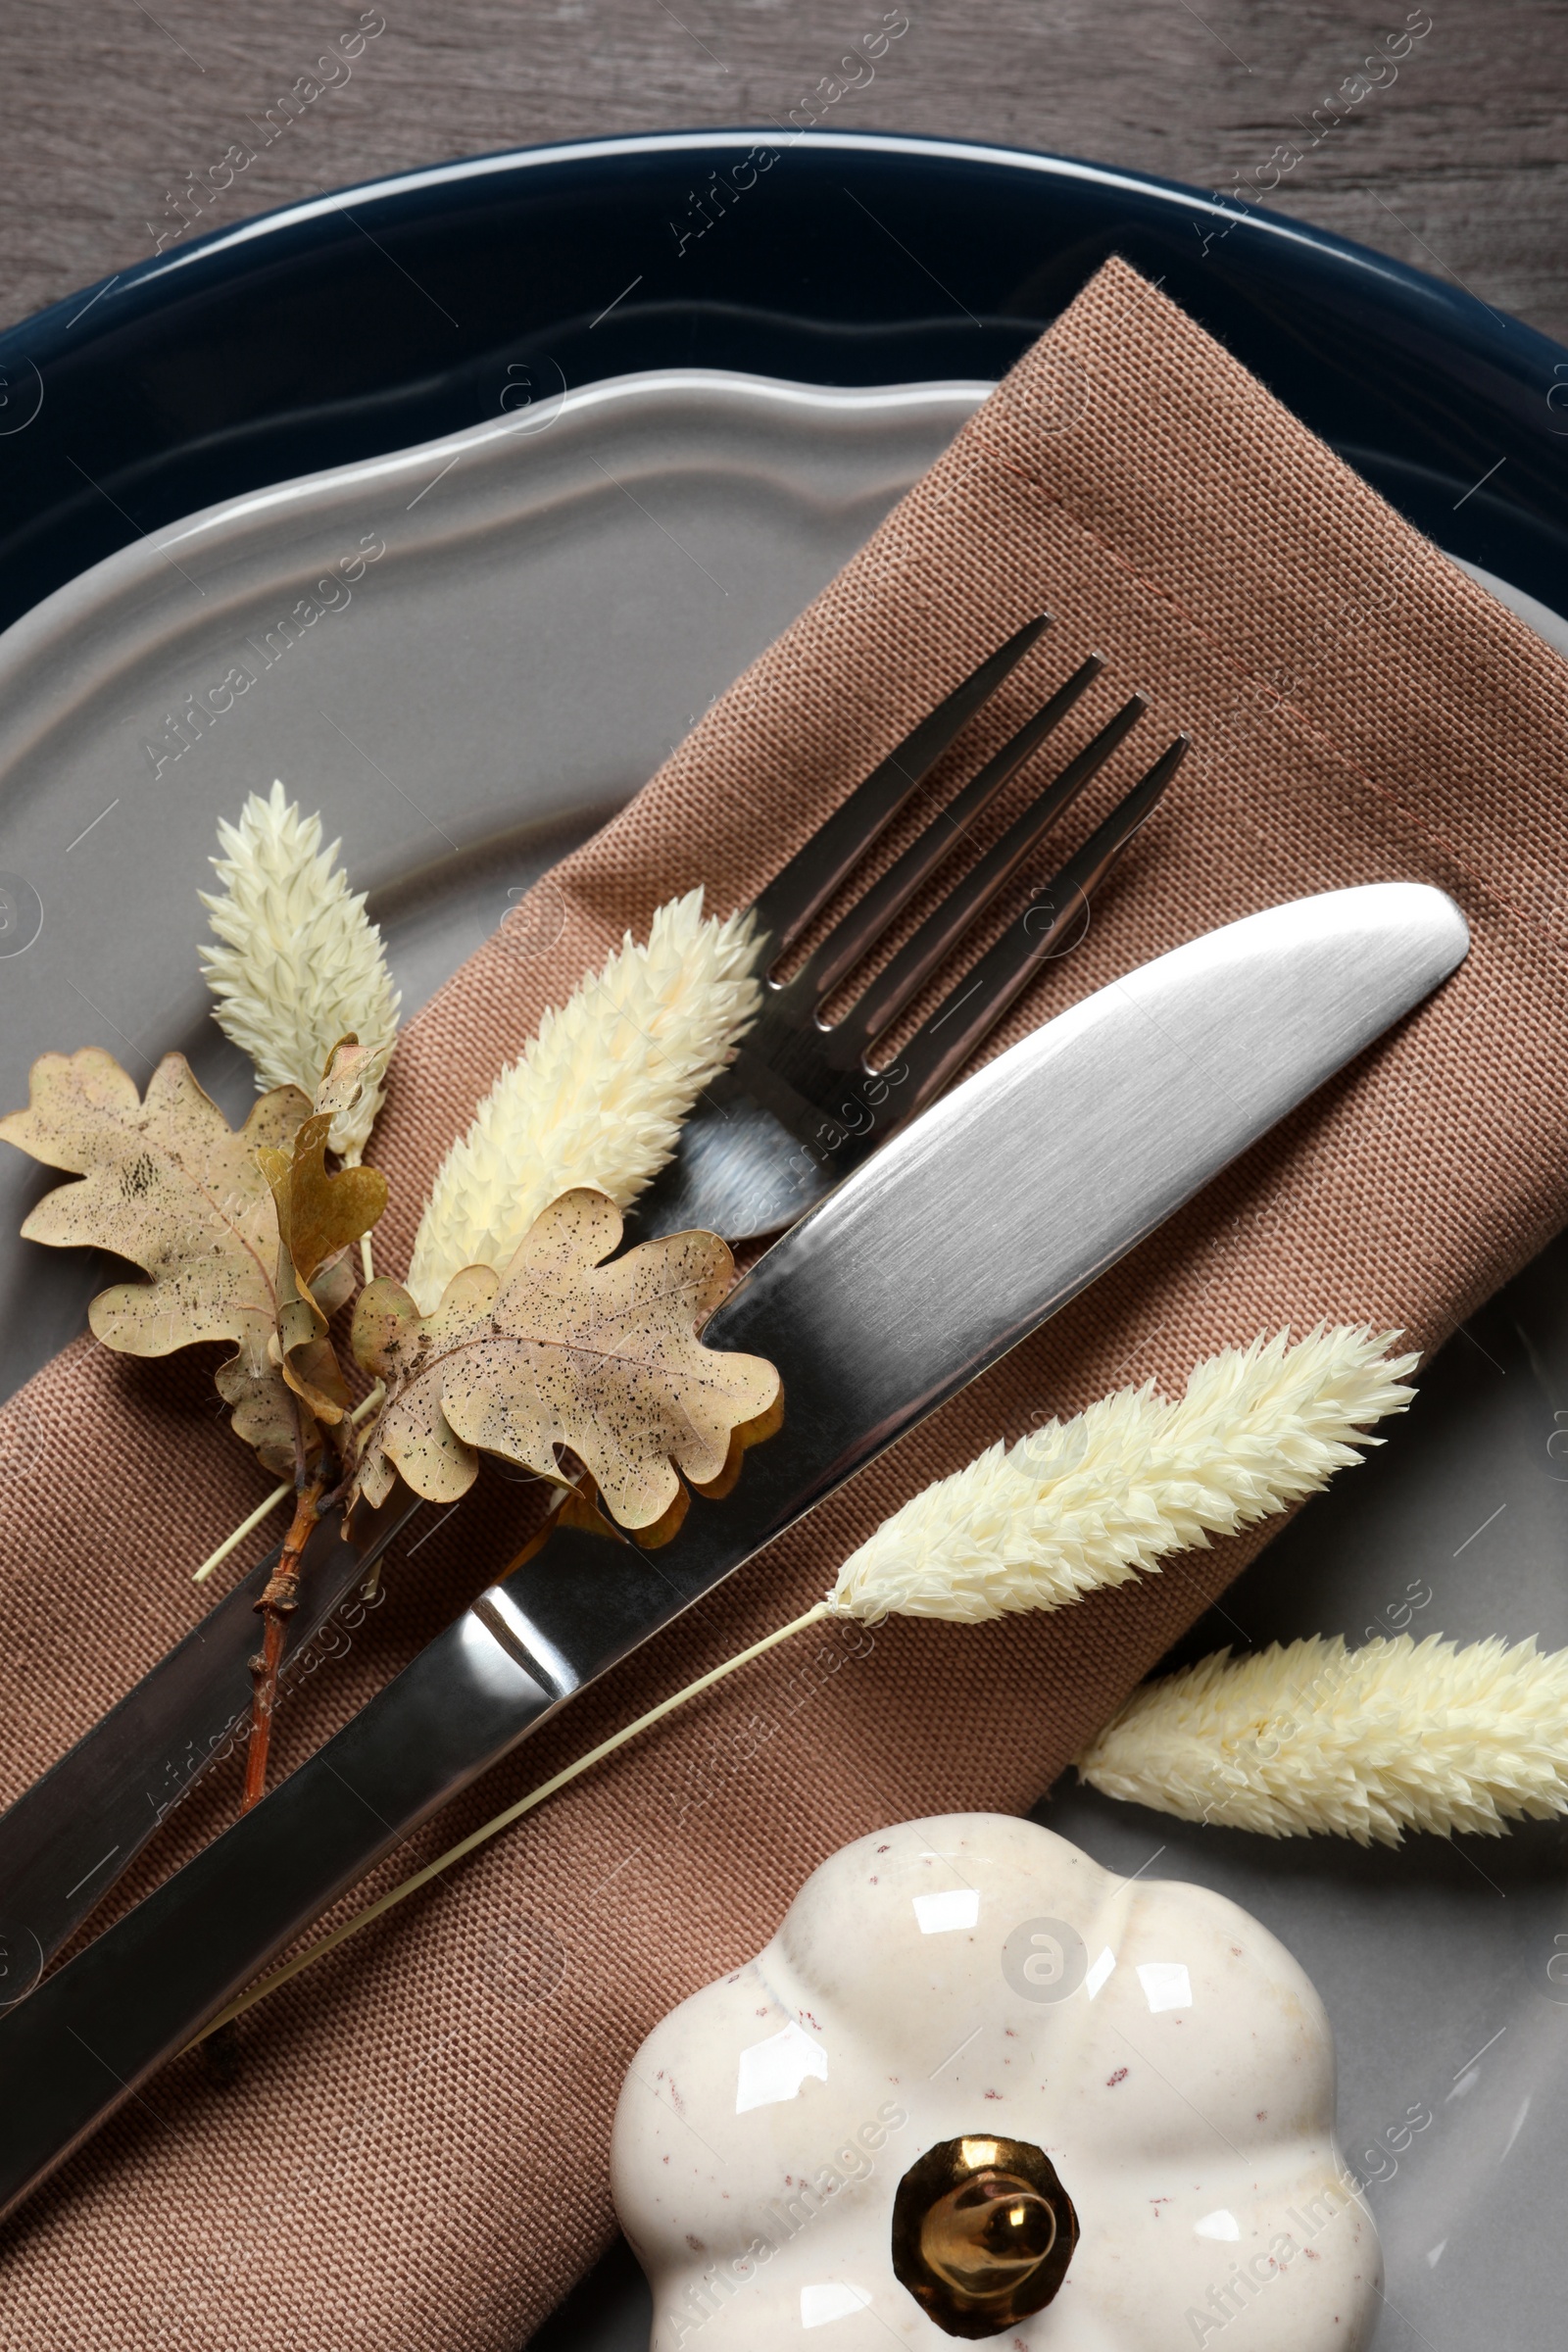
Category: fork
<point>802,1105</point>
<point>802,1102</point>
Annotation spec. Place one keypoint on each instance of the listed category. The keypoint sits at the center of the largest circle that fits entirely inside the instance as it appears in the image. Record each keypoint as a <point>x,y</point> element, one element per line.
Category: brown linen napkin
<point>409,2145</point>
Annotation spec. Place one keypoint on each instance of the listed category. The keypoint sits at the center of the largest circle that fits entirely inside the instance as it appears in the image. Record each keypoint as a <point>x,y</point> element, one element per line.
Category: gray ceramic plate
<point>504,634</point>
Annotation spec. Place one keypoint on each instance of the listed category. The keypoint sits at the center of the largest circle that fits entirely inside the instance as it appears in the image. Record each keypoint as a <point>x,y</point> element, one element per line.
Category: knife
<point>68,1839</point>
<point>966,1232</point>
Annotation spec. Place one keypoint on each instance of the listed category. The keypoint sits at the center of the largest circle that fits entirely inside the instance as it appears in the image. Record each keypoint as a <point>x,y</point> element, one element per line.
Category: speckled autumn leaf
<point>320,1214</point>
<point>166,1183</point>
<point>346,1073</point>
<point>562,1351</point>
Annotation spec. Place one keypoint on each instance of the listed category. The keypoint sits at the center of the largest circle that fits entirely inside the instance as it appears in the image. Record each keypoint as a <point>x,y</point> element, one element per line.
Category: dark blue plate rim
<point>330,329</point>
<point>1461,314</point>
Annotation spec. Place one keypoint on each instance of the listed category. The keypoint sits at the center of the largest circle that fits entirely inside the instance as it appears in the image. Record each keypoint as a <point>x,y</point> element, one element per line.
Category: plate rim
<point>1489,326</point>
<point>29,639</point>
<point>1483,376</point>
<point>26,641</point>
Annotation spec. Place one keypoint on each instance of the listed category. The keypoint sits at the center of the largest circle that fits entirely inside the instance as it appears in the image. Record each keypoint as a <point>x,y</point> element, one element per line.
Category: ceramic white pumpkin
<point>974,1975</point>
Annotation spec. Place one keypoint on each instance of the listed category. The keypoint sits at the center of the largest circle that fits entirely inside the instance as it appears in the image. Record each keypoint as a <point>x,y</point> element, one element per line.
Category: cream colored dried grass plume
<point>1364,1744</point>
<point>1085,1503</point>
<point>599,1097</point>
<point>1096,1500</point>
<point>297,965</point>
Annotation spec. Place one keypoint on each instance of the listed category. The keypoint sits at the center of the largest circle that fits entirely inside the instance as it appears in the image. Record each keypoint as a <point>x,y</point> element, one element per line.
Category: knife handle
<point>69,1837</point>
<point>82,2042</point>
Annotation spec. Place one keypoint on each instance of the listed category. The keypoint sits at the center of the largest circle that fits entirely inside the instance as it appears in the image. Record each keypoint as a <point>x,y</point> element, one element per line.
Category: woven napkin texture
<point>407,2147</point>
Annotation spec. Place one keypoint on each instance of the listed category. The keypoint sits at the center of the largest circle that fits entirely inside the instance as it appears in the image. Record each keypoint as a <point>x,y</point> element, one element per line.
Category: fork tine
<point>869,917</point>
<point>898,986</point>
<point>787,904</point>
<point>941,1045</point>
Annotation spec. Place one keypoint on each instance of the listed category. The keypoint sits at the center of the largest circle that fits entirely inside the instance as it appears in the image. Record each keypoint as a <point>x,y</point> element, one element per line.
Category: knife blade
<point>66,1840</point>
<point>983,1218</point>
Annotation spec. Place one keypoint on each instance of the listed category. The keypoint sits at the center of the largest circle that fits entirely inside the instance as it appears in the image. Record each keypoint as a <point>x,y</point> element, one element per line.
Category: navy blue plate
<point>362,322</point>
<point>385,315</point>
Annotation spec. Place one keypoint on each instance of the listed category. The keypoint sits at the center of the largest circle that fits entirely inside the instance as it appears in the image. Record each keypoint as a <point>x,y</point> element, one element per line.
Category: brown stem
<point>276,1606</point>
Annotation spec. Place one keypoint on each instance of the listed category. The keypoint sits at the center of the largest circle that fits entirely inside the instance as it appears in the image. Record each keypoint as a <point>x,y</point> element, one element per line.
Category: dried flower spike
<point>1082,1505</point>
<point>597,1098</point>
<point>1096,1500</point>
<point>297,965</point>
<point>1366,1744</point>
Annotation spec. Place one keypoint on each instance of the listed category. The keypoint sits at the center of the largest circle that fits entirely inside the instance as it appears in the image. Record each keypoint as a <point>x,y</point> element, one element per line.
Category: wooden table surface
<point>1459,166</point>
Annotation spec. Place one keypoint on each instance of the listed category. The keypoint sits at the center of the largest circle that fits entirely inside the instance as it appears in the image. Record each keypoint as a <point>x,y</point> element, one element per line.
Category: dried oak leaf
<point>320,1215</point>
<point>166,1183</point>
<point>342,1085</point>
<point>564,1351</point>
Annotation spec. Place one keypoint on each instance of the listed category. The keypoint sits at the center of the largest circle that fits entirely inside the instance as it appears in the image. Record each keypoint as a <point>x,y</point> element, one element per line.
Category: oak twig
<point>336,1458</point>
<point>264,1510</point>
<point>276,1607</point>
